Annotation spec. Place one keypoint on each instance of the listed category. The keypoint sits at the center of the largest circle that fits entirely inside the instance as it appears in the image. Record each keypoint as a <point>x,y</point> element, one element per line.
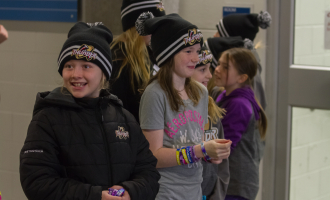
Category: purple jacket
<point>239,110</point>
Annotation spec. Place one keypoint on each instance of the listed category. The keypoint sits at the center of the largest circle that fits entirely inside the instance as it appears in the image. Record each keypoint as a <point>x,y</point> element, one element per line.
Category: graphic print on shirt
<point>187,117</point>
<point>210,132</point>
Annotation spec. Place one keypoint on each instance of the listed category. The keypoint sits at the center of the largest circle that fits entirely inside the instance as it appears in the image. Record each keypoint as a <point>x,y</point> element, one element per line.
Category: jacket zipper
<point>100,121</point>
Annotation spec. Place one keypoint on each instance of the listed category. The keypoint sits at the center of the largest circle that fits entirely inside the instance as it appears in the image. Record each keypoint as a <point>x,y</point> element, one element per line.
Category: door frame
<point>285,86</point>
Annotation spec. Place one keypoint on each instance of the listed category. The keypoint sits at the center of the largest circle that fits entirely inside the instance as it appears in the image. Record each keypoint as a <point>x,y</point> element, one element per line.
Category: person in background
<point>81,141</point>
<point>216,46</point>
<point>3,34</point>
<point>130,54</point>
<point>173,109</point>
<point>245,122</point>
<point>247,26</point>
<point>215,176</point>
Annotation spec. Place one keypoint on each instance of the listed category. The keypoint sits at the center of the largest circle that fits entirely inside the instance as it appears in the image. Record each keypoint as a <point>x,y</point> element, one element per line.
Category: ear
<point>243,78</point>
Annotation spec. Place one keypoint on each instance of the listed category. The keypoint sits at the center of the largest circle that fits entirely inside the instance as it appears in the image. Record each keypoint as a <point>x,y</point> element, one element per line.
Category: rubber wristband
<point>185,155</point>
<point>178,156</point>
<point>204,151</point>
<point>208,161</point>
<point>183,162</point>
<point>189,154</point>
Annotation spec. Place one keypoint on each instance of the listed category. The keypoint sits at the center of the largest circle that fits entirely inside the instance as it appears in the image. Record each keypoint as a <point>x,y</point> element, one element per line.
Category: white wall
<point>309,33</point>
<point>310,156</point>
<point>27,65</point>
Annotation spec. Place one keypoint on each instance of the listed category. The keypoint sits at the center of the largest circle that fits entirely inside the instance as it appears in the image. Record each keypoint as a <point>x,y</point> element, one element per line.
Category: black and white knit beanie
<point>205,57</point>
<point>169,34</point>
<point>219,44</point>
<point>244,25</point>
<point>132,9</point>
<point>88,42</point>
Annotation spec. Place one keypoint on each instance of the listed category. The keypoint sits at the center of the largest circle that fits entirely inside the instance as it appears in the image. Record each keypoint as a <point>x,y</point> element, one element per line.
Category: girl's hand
<point>107,196</point>
<point>216,161</point>
<point>218,149</point>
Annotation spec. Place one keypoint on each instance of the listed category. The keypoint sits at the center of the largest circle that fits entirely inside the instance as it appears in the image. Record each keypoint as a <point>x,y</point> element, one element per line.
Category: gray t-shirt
<point>184,128</point>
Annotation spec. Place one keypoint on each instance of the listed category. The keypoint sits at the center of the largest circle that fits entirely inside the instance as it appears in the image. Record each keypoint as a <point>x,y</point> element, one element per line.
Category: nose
<point>77,72</point>
<point>208,75</point>
<point>195,58</point>
<point>217,69</point>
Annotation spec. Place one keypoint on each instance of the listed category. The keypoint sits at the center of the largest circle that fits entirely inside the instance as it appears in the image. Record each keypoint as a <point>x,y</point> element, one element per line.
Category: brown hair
<point>245,63</point>
<point>136,57</point>
<point>164,78</point>
<point>214,111</point>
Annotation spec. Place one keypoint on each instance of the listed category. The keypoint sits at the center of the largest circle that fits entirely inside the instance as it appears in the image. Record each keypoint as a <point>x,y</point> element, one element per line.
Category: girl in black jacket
<point>81,141</point>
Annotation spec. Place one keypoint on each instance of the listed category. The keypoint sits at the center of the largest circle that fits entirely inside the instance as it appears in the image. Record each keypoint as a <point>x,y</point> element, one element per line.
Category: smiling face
<point>82,79</point>
<point>227,76</point>
<point>186,60</point>
<point>203,74</point>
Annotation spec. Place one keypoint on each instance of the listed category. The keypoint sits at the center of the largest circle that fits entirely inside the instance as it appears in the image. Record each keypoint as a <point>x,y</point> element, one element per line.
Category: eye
<point>188,51</point>
<point>68,66</point>
<point>87,66</point>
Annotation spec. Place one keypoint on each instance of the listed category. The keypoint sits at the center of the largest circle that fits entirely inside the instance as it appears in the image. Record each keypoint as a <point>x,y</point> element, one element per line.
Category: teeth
<point>78,84</point>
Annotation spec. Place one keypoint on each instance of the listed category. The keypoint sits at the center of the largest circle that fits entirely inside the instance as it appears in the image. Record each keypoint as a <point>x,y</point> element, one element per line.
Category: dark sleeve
<point>41,173</point>
<point>143,184</point>
<point>236,120</point>
<point>122,88</point>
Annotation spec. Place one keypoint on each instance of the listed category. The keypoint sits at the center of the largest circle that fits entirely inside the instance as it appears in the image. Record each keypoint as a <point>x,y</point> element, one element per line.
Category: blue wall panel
<point>39,10</point>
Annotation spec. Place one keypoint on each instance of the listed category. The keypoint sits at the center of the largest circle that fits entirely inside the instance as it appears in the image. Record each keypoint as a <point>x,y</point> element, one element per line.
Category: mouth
<point>205,83</point>
<point>78,85</point>
<point>191,67</point>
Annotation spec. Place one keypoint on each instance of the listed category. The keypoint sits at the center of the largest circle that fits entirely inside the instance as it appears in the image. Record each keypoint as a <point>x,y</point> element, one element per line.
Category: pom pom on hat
<point>248,44</point>
<point>132,9</point>
<point>264,19</point>
<point>244,25</point>
<point>139,24</point>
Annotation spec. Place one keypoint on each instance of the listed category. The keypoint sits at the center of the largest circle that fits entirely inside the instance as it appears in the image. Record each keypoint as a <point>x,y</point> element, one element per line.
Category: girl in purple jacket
<point>245,122</point>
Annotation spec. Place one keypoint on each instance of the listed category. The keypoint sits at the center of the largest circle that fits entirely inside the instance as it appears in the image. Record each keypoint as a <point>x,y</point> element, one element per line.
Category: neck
<point>231,89</point>
<point>178,82</point>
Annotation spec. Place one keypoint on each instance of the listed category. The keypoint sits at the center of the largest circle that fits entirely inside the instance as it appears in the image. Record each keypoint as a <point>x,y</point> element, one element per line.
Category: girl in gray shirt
<point>173,108</point>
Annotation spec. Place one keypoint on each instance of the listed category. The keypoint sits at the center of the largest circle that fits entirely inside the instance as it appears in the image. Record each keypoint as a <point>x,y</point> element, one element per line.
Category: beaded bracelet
<point>204,152</point>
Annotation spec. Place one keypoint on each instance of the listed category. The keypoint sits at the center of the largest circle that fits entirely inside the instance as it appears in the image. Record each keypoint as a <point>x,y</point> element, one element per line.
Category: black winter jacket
<point>73,150</point>
<point>121,86</point>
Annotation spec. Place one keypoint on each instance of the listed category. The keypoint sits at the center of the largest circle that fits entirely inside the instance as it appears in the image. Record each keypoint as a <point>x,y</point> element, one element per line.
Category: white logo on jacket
<point>121,133</point>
